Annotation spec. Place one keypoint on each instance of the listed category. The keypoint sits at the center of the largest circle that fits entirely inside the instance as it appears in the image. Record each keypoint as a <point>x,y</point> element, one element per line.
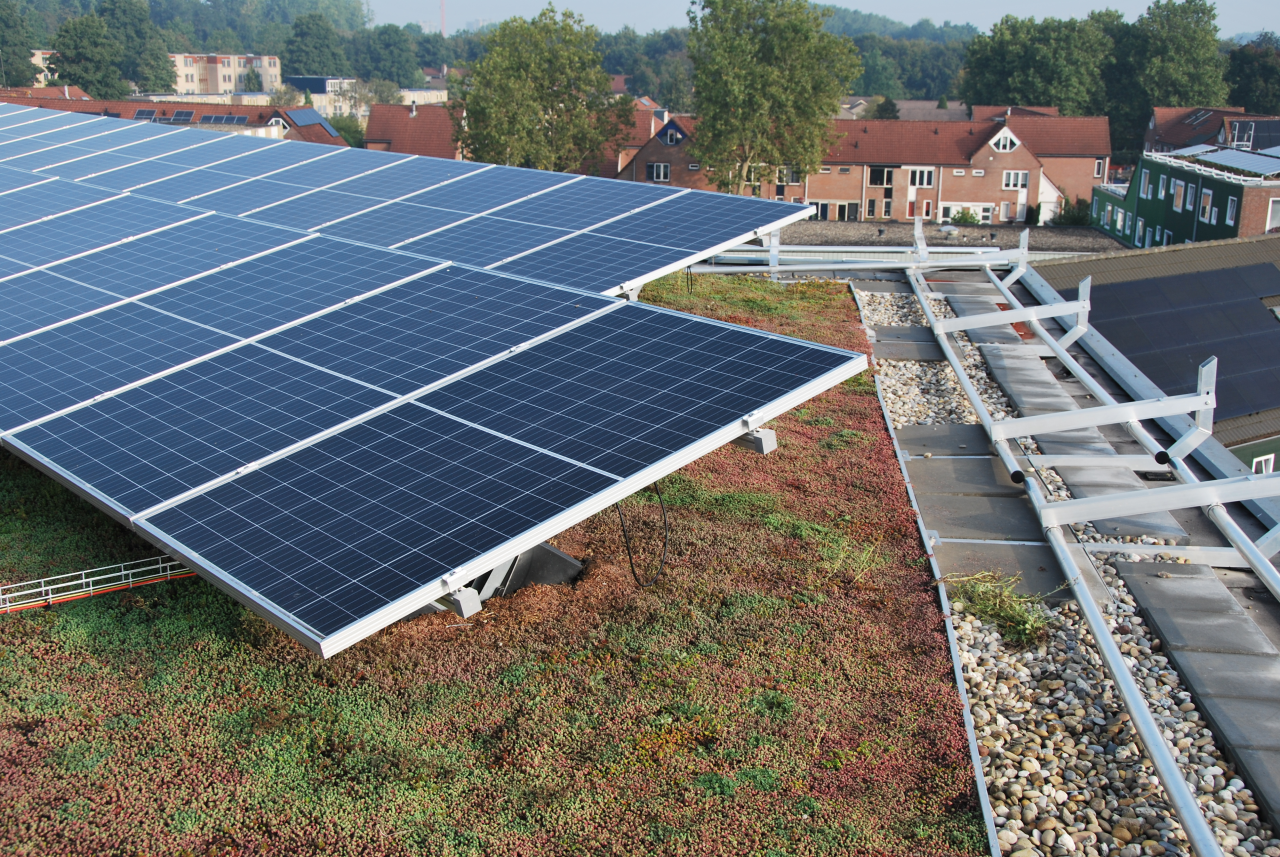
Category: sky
<point>1234,16</point>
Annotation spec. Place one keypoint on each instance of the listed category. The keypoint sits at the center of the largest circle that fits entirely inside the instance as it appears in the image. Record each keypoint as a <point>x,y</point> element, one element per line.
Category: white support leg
<point>1104,415</point>
<point>1140,502</point>
<point>1082,317</point>
<point>1204,417</point>
<point>1009,316</point>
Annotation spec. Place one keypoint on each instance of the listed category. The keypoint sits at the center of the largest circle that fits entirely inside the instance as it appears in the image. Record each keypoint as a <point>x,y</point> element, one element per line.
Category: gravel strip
<point>1064,770</point>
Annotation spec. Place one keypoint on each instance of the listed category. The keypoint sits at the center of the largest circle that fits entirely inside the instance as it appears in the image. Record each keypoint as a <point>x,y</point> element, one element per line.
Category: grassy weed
<point>992,598</point>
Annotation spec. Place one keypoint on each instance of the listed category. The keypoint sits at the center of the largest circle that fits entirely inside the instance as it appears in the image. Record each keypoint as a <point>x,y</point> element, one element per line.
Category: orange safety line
<point>50,602</point>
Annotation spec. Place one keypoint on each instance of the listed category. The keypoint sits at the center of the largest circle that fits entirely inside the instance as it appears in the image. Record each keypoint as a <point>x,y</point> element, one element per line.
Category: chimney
<point>413,110</point>
<point>66,91</point>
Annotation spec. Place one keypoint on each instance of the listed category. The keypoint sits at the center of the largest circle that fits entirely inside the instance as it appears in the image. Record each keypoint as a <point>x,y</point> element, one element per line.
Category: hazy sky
<point>1234,16</point>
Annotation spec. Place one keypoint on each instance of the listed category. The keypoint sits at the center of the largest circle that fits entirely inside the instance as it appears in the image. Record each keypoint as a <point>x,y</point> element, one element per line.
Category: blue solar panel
<point>135,175</point>
<point>623,391</point>
<point>111,139</point>
<point>31,301</point>
<point>420,332</point>
<point>483,241</point>
<point>240,198</point>
<point>219,147</point>
<point>585,203</point>
<point>132,153</point>
<point>75,362</point>
<point>490,188</point>
<point>180,431</point>
<point>1263,165</point>
<point>314,209</point>
<point>113,220</point>
<point>357,521</point>
<point>174,254</point>
<point>9,266</point>
<point>393,223</point>
<point>593,262</point>
<point>346,164</point>
<point>407,177</point>
<point>12,179</point>
<point>33,203</point>
<point>40,121</point>
<point>698,221</point>
<point>284,286</point>
<point>59,136</point>
<point>271,158</point>
<point>190,184</point>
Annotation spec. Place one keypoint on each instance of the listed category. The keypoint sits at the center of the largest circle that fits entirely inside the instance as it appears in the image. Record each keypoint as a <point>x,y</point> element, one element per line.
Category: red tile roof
<point>1174,126</point>
<point>315,134</point>
<point>619,83</point>
<point>686,123</point>
<point>982,112</point>
<point>902,141</point>
<point>429,133</point>
<point>1063,136</point>
<point>60,93</point>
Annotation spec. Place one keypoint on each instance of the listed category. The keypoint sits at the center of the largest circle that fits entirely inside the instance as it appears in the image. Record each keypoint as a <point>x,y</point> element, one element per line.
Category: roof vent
<point>413,109</point>
<point>935,130</point>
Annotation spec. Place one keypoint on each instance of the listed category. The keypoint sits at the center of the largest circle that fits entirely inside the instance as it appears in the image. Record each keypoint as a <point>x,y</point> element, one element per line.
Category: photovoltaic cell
<point>490,188</point>
<point>31,301</point>
<point>593,262</point>
<point>363,518</point>
<point>392,223</point>
<point>697,221</point>
<point>313,209</point>
<point>166,257</point>
<point>346,164</point>
<point>82,149</point>
<point>406,177</point>
<point>75,362</point>
<point>30,204</point>
<point>46,120</point>
<point>134,176</point>
<point>584,203</point>
<point>113,220</point>
<point>271,158</point>
<point>13,179</point>
<point>483,241</point>
<point>219,147</point>
<point>158,440</point>
<point>130,154</point>
<point>245,197</point>
<point>626,389</point>
<point>420,332</point>
<point>12,149</point>
<point>284,286</point>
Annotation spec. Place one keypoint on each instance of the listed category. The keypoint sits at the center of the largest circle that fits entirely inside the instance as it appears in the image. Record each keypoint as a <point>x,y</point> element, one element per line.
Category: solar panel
<point>144,115</point>
<point>336,432</point>
<point>112,139</point>
<point>1253,162</point>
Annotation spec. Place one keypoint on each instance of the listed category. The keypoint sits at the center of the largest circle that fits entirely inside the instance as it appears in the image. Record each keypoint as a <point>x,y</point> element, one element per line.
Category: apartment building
<point>1012,165</point>
<point>224,74</point>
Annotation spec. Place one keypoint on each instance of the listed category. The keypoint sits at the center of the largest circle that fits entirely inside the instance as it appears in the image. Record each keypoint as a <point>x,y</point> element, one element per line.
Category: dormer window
<point>672,137</point>
<point>1004,142</point>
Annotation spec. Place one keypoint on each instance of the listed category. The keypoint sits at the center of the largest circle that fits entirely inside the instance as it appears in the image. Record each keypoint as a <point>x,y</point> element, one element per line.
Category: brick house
<point>411,129</point>
<point>1000,168</point>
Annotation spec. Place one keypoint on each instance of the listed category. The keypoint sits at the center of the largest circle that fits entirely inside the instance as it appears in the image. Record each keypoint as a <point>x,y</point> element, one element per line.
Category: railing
<point>94,581</point>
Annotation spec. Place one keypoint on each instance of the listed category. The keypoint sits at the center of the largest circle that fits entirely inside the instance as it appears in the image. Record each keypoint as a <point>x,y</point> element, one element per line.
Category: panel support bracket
<point>763,441</point>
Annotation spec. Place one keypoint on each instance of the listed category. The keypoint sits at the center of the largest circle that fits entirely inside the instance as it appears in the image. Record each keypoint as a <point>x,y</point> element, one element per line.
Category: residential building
<point>1002,169</point>
<point>223,73</point>
<point>1203,193</point>
<point>280,123</point>
<point>1251,133</point>
<point>855,106</point>
<point>411,130</point>
<point>664,156</point>
<point>648,120</point>
<point>318,84</point>
<point>53,93</point>
<point>41,58</point>
<point>1173,128</point>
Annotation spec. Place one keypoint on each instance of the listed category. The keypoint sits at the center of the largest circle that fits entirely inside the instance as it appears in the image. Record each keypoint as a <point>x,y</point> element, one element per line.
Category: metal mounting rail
<point>1181,799</point>
<point>94,581</point>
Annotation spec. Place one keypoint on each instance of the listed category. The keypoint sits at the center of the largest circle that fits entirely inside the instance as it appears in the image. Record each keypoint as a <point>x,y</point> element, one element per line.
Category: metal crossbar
<point>94,581</point>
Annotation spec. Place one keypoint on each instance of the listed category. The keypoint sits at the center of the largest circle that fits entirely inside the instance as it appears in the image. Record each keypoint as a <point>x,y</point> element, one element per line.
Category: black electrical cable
<point>666,532</point>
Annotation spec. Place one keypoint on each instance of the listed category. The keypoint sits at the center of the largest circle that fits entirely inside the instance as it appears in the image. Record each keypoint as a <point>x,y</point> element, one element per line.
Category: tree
<point>942,102</point>
<point>886,108</point>
<point>144,56</point>
<point>284,96</point>
<point>385,53</point>
<point>1181,63</point>
<point>252,81</point>
<point>767,79</point>
<point>1050,62</point>
<point>314,48</point>
<point>16,44</point>
<point>89,57</point>
<point>1253,72</point>
<point>539,97</point>
<point>349,127</point>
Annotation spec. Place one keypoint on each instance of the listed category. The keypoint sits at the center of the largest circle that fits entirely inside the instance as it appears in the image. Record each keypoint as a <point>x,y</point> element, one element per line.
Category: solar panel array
<point>342,383</point>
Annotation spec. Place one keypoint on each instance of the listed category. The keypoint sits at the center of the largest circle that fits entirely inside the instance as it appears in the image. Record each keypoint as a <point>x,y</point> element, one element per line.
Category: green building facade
<point>1169,201</point>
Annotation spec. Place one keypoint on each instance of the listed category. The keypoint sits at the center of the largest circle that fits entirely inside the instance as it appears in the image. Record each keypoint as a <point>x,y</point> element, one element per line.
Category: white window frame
<point>1179,194</point>
<point>920,177</point>
<point>957,172</point>
<point>1163,181</point>
<point>1232,203</point>
<point>1206,205</point>
<point>1005,141</point>
<point>695,166</point>
<point>671,137</point>
<point>979,173</point>
<point>1137,234</point>
<point>1012,177</point>
<point>1273,208</point>
<point>1264,464</point>
<point>1144,189</point>
<point>1097,167</point>
<point>661,173</point>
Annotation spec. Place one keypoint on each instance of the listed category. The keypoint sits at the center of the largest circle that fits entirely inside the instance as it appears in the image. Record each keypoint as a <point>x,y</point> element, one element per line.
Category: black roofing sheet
<point>1168,326</point>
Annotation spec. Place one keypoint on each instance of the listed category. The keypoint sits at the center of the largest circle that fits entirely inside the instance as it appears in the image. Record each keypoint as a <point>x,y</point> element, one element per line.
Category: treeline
<point>1171,56</point>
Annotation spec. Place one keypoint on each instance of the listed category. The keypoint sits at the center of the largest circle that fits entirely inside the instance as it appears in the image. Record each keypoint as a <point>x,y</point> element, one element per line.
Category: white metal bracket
<point>763,441</point>
<point>1205,383</point>
<point>1269,544</point>
<point>1141,463</point>
<point>1009,316</point>
<point>1103,415</point>
<point>1082,315</point>
<point>922,249</point>
<point>1187,496</point>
